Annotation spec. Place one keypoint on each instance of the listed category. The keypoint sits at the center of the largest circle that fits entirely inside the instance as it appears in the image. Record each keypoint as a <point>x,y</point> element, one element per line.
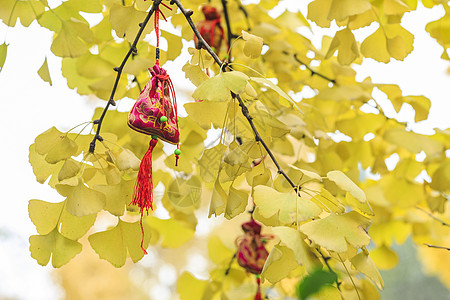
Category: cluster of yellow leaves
<point>334,214</point>
<point>390,40</point>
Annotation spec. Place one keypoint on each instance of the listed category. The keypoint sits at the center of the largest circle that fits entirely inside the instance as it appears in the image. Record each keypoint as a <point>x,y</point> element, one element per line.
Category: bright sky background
<point>29,106</point>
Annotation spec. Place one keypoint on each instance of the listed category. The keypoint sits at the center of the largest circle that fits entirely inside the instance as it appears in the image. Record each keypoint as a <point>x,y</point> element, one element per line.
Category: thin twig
<point>244,11</point>
<point>227,271</point>
<point>333,81</point>
<point>258,138</point>
<point>433,217</point>
<point>313,72</point>
<point>326,259</point>
<point>119,70</point>
<point>438,247</point>
<point>245,112</point>
<point>230,34</point>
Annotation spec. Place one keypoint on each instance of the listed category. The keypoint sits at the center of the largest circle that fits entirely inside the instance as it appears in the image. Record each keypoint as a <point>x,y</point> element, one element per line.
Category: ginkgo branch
<point>325,260</point>
<point>187,14</point>
<point>433,217</point>
<point>437,247</point>
<point>244,11</point>
<point>230,35</point>
<point>119,70</point>
<point>333,81</point>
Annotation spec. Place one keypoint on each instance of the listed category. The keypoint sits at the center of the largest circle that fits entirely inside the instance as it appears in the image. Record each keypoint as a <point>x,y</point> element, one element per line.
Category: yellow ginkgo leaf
<point>189,287</point>
<point>386,233</point>
<point>71,40</point>
<point>236,202</point>
<point>335,231</point>
<point>218,87</point>
<point>292,20</point>
<point>201,57</point>
<point>412,141</point>
<point>185,194</point>
<point>3,51</point>
<point>363,263</point>
<point>384,257</point>
<point>173,232</point>
<point>218,200</point>
<point>347,184</point>
<point>53,244</point>
<point>395,7</point>
<point>114,244</point>
<point>81,200</point>
<point>26,10</point>
<point>285,206</point>
<point>440,30</point>
<point>344,41</point>
<point>294,240</point>
<point>194,73</point>
<point>421,105</point>
<point>118,196</point>
<point>44,215</point>
<point>127,160</point>
<point>280,262</point>
<point>125,21</point>
<point>324,11</point>
<point>389,40</point>
<point>44,73</point>
<point>253,44</point>
<point>69,169</point>
<point>175,44</point>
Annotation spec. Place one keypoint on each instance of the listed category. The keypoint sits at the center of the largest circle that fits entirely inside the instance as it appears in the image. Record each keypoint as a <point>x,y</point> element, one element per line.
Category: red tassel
<point>258,290</point>
<point>143,189</point>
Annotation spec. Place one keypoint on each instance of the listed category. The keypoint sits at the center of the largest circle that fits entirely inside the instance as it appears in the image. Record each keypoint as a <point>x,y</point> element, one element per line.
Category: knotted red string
<point>143,189</point>
<point>164,78</point>
<point>258,289</point>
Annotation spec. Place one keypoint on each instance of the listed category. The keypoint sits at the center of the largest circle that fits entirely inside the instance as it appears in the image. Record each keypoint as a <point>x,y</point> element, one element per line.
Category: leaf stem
<point>349,275</point>
<point>119,70</point>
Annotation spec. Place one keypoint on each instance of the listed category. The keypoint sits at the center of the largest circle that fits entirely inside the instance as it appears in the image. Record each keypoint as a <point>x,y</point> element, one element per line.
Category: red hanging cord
<point>143,189</point>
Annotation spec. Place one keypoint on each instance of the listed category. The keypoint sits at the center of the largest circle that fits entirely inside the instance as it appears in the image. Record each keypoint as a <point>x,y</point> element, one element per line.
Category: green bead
<point>155,137</point>
<point>163,119</point>
<point>177,151</point>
